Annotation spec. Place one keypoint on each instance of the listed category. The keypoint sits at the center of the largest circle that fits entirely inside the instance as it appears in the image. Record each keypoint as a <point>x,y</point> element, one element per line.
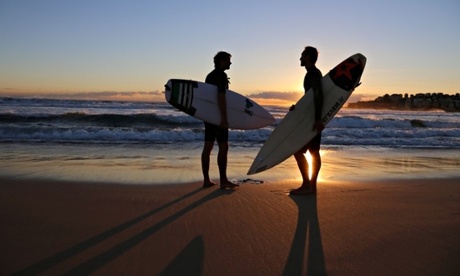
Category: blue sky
<point>69,47</point>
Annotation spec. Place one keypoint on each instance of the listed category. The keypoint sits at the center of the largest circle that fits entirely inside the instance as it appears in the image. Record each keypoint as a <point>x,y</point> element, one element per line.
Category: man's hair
<point>221,56</point>
<point>312,53</point>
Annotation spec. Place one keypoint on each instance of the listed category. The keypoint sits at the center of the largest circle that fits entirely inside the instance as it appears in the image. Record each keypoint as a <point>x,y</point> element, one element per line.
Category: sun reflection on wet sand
<point>177,164</point>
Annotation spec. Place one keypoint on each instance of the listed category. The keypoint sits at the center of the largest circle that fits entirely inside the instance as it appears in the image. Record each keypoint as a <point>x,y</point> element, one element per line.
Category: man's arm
<point>318,99</point>
<point>222,101</point>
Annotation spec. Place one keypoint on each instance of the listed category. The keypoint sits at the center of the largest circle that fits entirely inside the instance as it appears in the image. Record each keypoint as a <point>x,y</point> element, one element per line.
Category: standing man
<point>218,77</point>
<point>312,80</point>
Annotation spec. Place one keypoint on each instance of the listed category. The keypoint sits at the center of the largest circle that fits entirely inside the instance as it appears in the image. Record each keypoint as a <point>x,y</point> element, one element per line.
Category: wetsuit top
<point>219,79</point>
<point>313,80</point>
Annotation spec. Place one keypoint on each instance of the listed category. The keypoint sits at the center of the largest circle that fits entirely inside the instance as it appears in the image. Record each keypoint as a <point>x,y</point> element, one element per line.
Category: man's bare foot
<point>208,183</point>
<point>303,190</point>
<point>228,184</point>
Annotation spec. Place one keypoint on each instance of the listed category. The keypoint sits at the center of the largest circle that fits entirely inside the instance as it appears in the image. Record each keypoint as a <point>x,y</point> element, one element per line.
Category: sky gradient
<point>129,49</point>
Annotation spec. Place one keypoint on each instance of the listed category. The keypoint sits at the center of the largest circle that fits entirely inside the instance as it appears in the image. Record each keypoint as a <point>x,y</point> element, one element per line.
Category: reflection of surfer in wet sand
<point>218,132</point>
<point>312,80</point>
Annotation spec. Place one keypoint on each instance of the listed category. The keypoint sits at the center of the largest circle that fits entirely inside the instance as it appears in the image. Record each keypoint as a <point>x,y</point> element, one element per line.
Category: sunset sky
<point>129,49</point>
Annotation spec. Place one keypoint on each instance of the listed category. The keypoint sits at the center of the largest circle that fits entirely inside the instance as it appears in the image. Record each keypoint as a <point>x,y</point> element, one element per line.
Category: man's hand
<point>318,126</point>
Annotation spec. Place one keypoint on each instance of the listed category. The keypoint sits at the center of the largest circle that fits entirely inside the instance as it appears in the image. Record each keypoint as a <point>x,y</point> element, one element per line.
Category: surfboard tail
<point>262,164</point>
<point>256,169</point>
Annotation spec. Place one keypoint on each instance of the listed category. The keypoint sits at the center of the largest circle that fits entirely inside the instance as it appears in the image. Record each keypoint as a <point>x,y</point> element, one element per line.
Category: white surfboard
<point>296,128</point>
<point>199,100</point>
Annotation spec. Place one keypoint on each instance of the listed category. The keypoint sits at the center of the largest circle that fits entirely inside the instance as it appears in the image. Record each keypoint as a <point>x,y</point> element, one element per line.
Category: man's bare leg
<point>205,160</point>
<point>316,167</point>
<point>222,163</point>
<point>302,163</point>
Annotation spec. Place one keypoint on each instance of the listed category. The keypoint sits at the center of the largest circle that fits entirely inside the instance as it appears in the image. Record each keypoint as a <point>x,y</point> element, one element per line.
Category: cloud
<point>152,96</point>
<point>356,97</point>
<point>276,98</point>
<point>289,98</point>
<point>277,95</point>
<point>113,95</point>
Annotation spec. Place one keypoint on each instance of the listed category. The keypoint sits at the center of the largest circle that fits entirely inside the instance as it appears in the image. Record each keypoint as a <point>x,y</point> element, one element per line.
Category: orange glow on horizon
<point>93,96</point>
<point>275,102</point>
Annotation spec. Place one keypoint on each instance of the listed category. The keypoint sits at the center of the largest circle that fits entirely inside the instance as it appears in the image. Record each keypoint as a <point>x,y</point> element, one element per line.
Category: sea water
<point>153,143</point>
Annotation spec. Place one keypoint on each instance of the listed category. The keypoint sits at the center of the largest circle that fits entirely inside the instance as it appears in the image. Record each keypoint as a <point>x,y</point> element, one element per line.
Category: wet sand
<point>391,227</point>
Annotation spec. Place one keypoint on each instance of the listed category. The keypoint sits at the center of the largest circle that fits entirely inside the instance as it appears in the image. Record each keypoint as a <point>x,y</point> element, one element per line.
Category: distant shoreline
<point>417,102</point>
<point>376,107</point>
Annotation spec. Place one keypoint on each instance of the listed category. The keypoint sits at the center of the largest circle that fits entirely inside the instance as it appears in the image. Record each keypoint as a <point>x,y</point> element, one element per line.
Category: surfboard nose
<point>360,58</point>
<point>347,74</point>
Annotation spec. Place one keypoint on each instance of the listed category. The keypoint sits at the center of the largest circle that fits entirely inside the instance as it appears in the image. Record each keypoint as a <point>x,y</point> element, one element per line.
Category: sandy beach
<point>392,227</point>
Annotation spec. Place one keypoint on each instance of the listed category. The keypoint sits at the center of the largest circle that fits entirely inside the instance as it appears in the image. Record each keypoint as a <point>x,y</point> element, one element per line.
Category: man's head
<point>222,60</point>
<point>309,57</point>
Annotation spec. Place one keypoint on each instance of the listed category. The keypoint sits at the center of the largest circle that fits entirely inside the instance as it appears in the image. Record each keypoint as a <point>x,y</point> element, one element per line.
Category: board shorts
<point>213,133</point>
<point>313,145</point>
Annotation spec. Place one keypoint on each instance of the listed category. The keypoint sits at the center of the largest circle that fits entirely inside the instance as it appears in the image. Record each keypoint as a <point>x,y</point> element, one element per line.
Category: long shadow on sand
<point>105,257</point>
<point>307,226</point>
<point>189,261</point>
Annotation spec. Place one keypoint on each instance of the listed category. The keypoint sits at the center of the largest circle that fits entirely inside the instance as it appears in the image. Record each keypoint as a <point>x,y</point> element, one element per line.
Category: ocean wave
<point>403,123</point>
<point>122,135</point>
<point>331,136</point>
<point>43,120</point>
<point>110,120</point>
<point>80,104</point>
